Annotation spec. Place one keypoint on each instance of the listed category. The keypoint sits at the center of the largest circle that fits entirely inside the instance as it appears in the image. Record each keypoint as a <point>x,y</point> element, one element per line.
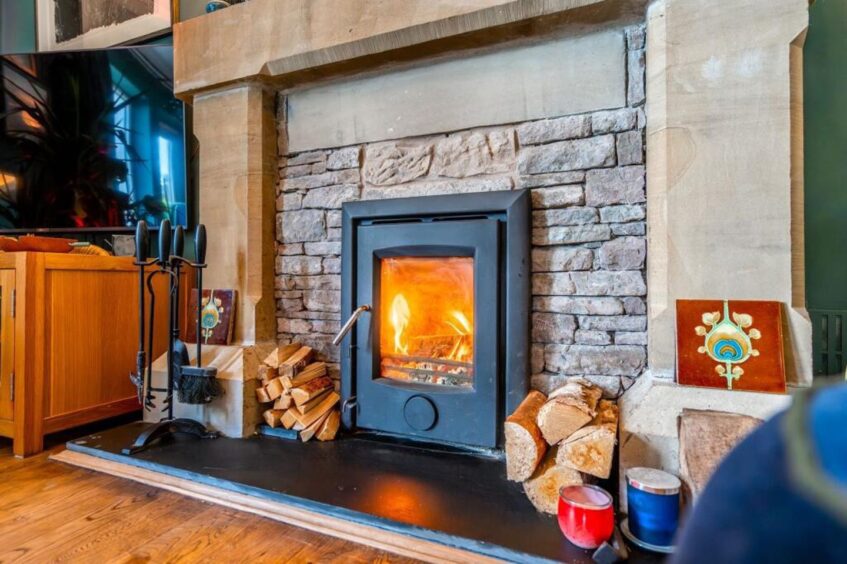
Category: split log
<point>306,419</point>
<point>330,427</point>
<point>567,409</point>
<point>307,374</point>
<point>311,389</point>
<point>592,448</point>
<point>283,402</point>
<point>281,354</point>
<point>291,365</point>
<point>288,420</point>
<point>525,445</point>
<point>274,388</point>
<point>273,417</point>
<point>314,402</point>
<point>310,431</point>
<point>543,487</point>
<point>267,373</point>
<point>262,395</point>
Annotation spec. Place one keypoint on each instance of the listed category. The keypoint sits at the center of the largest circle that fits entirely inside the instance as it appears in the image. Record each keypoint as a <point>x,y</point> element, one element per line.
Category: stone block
<point>301,226</point>
<point>469,154</point>
<point>331,196</point>
<point>570,235</point>
<point>387,164</point>
<point>567,216</point>
<point>622,360</point>
<point>558,129</point>
<point>631,338</point>
<point>333,218</point>
<point>634,306</point>
<point>623,253</point>
<point>291,201</point>
<point>609,283</point>
<point>290,249</point>
<point>306,158</point>
<point>635,229</point>
<point>330,178</point>
<point>636,36</point>
<point>299,265</point>
<point>551,179</point>
<point>621,185</point>
<point>323,282</point>
<point>613,322</point>
<point>536,360</point>
<point>323,248</point>
<point>588,337</point>
<point>284,325</point>
<point>438,187</point>
<point>332,265</point>
<point>613,121</point>
<point>705,438</point>
<point>553,328</point>
<point>557,196</point>
<point>630,147</point>
<point>578,305</point>
<point>348,157</point>
<point>622,214</point>
<point>561,259</point>
<point>555,284</point>
<point>322,300</point>
<point>577,154</point>
<point>635,63</point>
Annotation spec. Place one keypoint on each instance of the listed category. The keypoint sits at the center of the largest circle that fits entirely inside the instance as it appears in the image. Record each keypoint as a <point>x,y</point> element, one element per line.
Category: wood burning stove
<point>440,287</point>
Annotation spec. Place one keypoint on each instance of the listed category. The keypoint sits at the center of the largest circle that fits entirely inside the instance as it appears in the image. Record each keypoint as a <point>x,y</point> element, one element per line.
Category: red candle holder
<point>586,515</point>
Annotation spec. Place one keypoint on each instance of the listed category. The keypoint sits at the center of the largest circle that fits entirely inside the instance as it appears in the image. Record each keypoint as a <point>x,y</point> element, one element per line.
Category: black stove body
<point>491,231</point>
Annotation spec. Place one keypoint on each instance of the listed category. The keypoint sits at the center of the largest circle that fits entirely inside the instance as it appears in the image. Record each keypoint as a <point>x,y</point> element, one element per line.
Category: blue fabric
<point>752,511</point>
<point>828,416</point>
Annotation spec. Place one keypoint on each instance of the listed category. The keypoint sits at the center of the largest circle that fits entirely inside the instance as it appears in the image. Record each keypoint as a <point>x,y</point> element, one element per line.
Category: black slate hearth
<point>453,498</point>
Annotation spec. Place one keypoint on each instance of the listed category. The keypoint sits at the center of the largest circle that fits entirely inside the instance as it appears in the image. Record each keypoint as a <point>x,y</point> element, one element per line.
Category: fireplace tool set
<point>193,384</point>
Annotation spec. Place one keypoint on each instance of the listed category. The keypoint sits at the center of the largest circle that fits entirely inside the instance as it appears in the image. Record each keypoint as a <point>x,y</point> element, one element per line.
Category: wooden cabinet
<point>69,332</point>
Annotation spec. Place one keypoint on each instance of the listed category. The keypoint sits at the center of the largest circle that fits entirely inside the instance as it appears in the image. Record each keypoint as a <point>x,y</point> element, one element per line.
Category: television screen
<point>91,139</point>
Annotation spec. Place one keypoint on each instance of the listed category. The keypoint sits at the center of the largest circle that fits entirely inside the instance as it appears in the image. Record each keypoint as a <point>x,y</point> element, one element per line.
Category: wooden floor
<point>51,512</point>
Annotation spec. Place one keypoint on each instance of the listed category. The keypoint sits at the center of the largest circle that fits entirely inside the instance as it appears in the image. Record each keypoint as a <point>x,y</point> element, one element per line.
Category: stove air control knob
<point>420,413</point>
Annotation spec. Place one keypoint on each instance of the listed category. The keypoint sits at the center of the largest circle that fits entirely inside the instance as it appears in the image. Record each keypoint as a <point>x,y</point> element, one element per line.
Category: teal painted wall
<point>825,134</point>
<point>17,26</point>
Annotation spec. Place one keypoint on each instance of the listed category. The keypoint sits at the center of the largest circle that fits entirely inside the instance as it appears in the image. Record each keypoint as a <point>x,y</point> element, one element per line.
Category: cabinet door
<point>7,343</point>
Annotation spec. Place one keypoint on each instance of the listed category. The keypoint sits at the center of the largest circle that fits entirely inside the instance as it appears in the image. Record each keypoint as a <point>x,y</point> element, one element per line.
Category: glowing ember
<point>427,330</point>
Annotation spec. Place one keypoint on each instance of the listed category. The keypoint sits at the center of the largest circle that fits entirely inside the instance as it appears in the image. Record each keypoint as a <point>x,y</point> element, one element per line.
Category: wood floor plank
<point>52,512</point>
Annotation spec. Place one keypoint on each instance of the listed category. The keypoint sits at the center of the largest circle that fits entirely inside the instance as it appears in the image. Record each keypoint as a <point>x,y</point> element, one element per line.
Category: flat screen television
<point>91,140</point>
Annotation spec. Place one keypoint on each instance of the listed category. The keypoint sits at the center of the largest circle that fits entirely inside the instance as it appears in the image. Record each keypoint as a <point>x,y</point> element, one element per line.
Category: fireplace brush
<point>193,384</point>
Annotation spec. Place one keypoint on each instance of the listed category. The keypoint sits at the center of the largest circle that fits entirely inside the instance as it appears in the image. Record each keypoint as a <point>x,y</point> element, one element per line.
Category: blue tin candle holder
<point>653,500</point>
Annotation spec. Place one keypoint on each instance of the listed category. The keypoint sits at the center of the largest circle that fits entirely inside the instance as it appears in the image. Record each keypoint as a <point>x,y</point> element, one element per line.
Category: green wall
<point>825,103</point>
<point>17,26</point>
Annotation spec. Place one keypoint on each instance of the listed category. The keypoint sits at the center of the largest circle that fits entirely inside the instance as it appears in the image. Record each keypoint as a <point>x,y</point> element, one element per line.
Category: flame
<point>400,314</point>
<point>427,319</point>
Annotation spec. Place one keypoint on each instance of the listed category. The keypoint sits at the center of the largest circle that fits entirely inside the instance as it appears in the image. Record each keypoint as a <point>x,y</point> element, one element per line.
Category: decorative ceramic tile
<point>735,345</point>
<point>217,317</point>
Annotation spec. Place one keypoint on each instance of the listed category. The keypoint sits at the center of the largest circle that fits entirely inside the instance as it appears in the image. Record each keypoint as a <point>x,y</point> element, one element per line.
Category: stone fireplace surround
<point>587,177</point>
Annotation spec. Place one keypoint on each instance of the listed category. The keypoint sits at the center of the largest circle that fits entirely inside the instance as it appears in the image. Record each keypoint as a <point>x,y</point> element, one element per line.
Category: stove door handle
<point>349,323</point>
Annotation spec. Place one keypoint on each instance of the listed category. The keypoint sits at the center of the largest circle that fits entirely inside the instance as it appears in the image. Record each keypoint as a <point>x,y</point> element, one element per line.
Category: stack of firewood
<point>565,439</point>
<point>303,395</point>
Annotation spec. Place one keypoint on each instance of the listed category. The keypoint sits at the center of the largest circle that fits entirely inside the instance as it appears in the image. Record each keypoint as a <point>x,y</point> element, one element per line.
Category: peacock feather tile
<point>719,346</point>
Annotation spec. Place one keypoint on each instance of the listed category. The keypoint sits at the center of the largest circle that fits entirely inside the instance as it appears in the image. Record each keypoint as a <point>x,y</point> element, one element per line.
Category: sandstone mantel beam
<point>294,41</point>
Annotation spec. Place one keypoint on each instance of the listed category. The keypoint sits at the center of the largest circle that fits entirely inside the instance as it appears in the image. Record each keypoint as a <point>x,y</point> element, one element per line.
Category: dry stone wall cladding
<point>587,178</point>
